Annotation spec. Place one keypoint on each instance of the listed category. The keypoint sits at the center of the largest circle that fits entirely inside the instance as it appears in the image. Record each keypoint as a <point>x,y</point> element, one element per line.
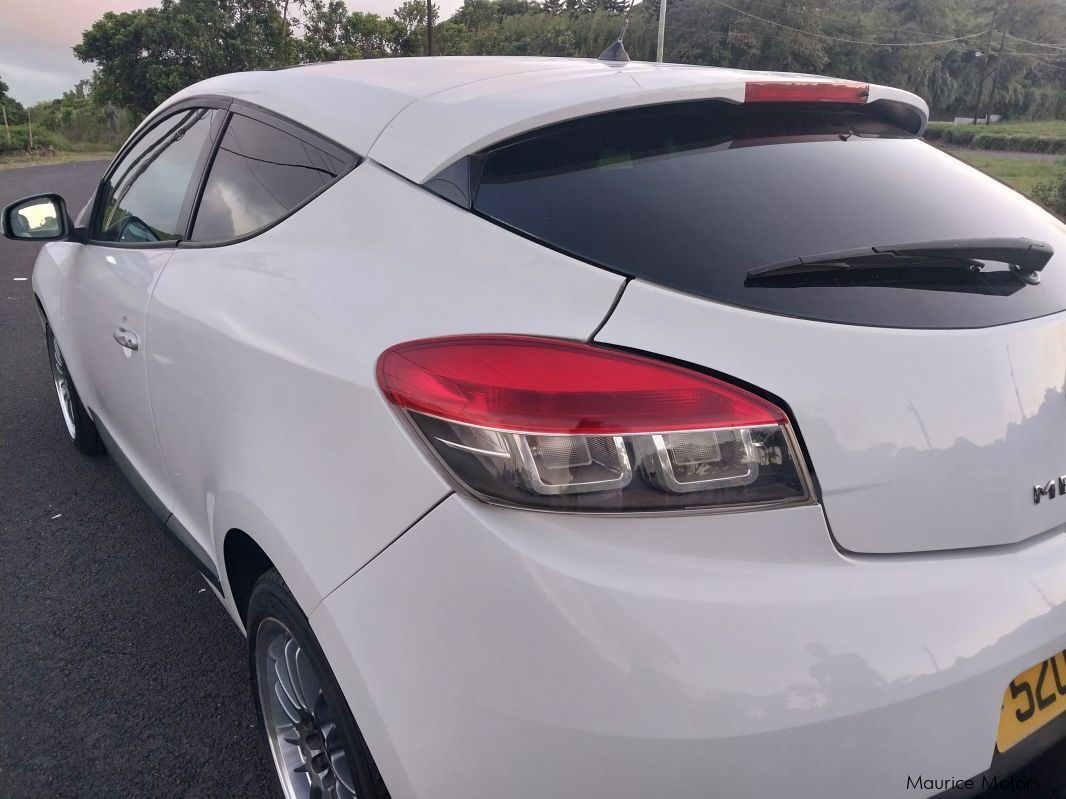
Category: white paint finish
<point>49,271</point>
<point>523,655</point>
<point>467,118</point>
<point>894,95</point>
<point>104,288</point>
<point>417,115</point>
<point>263,364</point>
<point>920,439</point>
<point>352,101</point>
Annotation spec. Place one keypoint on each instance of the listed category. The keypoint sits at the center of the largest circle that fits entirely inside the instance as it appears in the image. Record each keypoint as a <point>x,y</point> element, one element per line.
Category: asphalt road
<point>120,674</point>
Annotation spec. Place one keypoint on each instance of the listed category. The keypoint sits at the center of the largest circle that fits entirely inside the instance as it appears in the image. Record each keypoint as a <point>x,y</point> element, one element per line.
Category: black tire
<point>271,604</point>
<point>80,426</point>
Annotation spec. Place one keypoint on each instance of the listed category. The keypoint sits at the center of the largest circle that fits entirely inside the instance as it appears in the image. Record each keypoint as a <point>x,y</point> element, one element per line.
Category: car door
<point>225,310</point>
<point>141,211</point>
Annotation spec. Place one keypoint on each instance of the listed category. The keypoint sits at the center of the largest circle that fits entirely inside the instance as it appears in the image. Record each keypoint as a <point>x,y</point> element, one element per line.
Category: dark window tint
<point>259,175</point>
<point>150,192</point>
<point>692,196</point>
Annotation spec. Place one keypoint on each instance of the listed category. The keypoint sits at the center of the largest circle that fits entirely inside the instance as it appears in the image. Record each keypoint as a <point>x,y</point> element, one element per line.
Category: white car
<point>576,429</point>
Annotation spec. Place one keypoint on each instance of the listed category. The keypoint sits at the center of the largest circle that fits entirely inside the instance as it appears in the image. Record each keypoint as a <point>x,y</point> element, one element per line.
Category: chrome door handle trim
<point>126,338</point>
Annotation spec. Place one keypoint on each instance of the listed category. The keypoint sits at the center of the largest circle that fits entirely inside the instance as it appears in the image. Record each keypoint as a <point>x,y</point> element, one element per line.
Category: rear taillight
<point>559,425</point>
<point>806,92</point>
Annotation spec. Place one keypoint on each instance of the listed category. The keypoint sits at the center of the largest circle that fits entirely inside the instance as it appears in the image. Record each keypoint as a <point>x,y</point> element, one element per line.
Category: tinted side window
<point>151,191</point>
<point>259,175</point>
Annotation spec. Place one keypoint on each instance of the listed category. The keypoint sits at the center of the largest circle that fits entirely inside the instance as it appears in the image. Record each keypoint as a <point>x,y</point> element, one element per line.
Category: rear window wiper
<point>1025,258</point>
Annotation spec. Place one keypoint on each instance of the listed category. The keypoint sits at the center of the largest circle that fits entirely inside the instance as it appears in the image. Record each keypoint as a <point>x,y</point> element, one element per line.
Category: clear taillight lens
<point>559,425</point>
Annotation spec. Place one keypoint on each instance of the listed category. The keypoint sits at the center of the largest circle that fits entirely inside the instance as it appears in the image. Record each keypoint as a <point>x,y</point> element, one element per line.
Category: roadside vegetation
<point>72,125</point>
<point>1018,173</point>
<point>1023,137</point>
<point>1052,193</point>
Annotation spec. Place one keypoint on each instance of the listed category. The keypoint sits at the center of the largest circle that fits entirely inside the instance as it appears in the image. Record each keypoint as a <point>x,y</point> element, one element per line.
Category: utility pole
<point>662,31</point>
<point>999,59</point>
<point>7,130</point>
<point>988,55</point>
<point>285,35</point>
<point>429,27</point>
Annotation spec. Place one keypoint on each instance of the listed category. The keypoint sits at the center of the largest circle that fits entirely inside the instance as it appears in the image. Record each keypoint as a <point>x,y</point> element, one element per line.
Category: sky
<point>36,36</point>
<point>36,61</point>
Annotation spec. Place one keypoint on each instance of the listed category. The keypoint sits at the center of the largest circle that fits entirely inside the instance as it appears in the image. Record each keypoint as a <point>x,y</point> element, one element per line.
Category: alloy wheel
<point>63,387</point>
<point>305,739</point>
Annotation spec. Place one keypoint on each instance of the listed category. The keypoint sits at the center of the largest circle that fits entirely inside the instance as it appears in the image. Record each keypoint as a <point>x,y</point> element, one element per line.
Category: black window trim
<point>100,198</point>
<point>230,106</point>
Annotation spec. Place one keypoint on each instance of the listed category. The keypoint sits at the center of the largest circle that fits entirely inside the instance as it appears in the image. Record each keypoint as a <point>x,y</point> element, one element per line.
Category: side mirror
<point>43,217</point>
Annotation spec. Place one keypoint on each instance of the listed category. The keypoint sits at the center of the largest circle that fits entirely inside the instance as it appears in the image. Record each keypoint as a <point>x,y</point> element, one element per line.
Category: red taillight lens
<point>537,385</point>
<point>810,92</point>
<point>548,423</point>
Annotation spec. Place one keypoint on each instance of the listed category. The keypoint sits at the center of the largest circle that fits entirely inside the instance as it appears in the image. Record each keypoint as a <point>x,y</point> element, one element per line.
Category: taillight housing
<point>559,425</point>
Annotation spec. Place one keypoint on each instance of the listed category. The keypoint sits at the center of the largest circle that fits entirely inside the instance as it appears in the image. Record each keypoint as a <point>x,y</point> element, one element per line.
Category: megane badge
<point>1050,489</point>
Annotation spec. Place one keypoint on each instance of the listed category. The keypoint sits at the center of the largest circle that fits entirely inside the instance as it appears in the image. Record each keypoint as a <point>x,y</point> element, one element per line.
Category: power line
<point>1038,44</point>
<point>724,34</point>
<point>848,41</point>
<point>1033,55</point>
<point>826,15</point>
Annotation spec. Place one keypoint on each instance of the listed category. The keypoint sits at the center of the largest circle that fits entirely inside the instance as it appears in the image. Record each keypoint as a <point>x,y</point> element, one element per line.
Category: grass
<point>1048,127</point>
<point>1047,137</point>
<point>1018,173</point>
<point>15,161</point>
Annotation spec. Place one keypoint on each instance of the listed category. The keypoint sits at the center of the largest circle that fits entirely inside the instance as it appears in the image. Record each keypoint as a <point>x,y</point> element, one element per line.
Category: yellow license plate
<point>1033,698</point>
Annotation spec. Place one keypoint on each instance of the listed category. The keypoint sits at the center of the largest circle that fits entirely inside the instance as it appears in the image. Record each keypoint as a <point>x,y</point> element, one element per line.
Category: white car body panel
<point>736,655</point>
<point>243,387</point>
<point>49,272</point>
<point>352,101</point>
<point>919,440</point>
<point>491,652</point>
<point>105,288</point>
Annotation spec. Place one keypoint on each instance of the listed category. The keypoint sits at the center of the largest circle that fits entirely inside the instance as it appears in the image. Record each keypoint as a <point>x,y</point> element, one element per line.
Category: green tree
<point>325,36</point>
<point>331,33</point>
<point>411,28</point>
<point>144,56</point>
<point>12,106</point>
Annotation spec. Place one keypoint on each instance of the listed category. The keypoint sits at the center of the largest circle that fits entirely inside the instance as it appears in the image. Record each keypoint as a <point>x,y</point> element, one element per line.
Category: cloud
<point>37,61</point>
<point>29,86</point>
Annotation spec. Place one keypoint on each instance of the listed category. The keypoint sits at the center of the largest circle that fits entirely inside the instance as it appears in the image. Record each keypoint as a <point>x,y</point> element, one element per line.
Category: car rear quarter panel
<point>262,362</point>
<point>735,655</point>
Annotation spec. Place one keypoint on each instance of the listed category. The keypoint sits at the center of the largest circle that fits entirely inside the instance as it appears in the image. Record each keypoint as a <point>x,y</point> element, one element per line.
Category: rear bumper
<point>492,653</point>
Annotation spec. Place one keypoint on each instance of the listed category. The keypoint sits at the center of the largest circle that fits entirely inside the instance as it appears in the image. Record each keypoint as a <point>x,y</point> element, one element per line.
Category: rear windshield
<point>692,196</point>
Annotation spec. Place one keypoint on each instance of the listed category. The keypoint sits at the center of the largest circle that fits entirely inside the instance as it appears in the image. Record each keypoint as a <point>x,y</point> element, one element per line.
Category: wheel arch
<point>245,562</point>
<point>41,312</point>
